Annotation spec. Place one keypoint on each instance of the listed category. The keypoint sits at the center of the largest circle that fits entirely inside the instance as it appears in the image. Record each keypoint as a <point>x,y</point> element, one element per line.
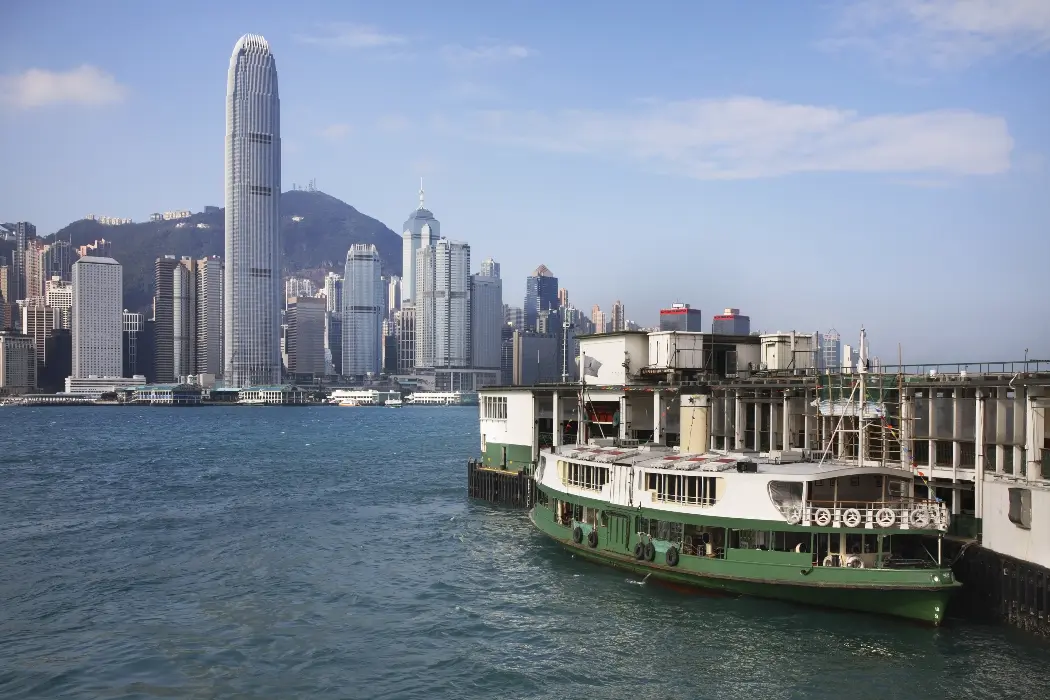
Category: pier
<point>974,435</point>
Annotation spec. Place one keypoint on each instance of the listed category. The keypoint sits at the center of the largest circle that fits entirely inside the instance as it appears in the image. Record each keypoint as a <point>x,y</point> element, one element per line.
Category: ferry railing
<point>902,513</point>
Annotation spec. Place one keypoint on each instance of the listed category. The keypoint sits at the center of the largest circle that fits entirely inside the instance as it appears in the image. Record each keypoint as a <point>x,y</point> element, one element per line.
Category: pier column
<point>806,420</point>
<point>931,418</point>
<point>556,409</point>
<point>956,451</point>
<point>739,421</point>
<point>756,436</point>
<point>906,429</point>
<point>978,456</point>
<point>1001,405</point>
<point>623,417</point>
<point>785,427</point>
<point>658,409</point>
<point>1035,424</point>
<point>1020,431</point>
<point>773,423</point>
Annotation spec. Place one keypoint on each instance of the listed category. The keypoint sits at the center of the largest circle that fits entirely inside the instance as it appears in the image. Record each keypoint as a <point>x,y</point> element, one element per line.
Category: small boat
<point>349,402</point>
<point>394,403</point>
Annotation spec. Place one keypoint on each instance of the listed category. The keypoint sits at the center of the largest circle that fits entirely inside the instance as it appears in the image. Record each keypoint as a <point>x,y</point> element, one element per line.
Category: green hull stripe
<point>905,593</point>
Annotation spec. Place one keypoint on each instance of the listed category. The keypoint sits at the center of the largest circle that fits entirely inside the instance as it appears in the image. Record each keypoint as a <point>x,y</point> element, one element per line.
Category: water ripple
<point>212,553</point>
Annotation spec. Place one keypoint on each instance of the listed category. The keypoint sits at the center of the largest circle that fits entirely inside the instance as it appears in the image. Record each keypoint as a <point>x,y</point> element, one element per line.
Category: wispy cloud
<point>86,85</point>
<point>748,137</point>
<point>335,132</point>
<point>487,53</point>
<point>942,33</point>
<point>344,35</point>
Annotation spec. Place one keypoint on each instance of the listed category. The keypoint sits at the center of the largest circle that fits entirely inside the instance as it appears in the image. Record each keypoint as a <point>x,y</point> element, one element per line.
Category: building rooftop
<point>96,260</point>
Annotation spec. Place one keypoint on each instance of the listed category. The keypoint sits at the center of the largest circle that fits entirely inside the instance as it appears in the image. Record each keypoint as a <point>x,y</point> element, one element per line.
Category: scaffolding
<point>841,412</point>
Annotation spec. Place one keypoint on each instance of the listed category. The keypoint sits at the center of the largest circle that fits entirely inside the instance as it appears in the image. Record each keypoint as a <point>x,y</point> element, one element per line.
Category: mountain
<point>318,241</point>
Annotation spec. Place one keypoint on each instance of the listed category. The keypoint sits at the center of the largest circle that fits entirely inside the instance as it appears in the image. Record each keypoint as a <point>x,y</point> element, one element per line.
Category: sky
<point>875,163</point>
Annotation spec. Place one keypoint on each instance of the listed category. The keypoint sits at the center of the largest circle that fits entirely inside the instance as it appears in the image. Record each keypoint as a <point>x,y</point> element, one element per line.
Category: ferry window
<point>585,476</point>
<point>690,489</point>
<point>495,407</point>
<point>895,487</point>
<point>605,519</point>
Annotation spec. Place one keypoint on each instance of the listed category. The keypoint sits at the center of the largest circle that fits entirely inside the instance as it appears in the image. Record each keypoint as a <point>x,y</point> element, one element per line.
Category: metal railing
<point>899,514</point>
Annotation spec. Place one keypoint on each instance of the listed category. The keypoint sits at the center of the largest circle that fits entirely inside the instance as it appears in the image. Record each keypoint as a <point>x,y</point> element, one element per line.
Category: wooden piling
<point>500,486</point>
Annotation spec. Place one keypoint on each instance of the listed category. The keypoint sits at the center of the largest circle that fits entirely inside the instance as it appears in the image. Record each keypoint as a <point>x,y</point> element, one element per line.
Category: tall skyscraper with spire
<point>421,229</point>
<point>252,290</point>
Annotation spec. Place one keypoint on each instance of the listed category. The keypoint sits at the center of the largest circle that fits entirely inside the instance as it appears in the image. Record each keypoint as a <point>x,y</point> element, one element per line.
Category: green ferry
<point>789,526</point>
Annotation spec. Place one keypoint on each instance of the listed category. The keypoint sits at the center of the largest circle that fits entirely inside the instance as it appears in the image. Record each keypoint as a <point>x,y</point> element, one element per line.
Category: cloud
<point>335,132</point>
<point>749,137</point>
<point>943,33</point>
<point>343,35</point>
<point>488,53</point>
<point>86,85</point>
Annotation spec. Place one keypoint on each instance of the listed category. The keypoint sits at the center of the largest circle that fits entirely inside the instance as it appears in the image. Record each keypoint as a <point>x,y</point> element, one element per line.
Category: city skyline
<point>794,168</point>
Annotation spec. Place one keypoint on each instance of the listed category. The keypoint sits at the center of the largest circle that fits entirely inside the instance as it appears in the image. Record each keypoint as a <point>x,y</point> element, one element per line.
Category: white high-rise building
<point>98,305</point>
<point>59,296</point>
<point>184,324</point>
<point>421,229</point>
<point>209,311</point>
<point>489,268</point>
<point>393,296</point>
<point>486,321</point>
<point>333,292</point>
<point>363,311</point>
<point>252,294</point>
<point>443,309</point>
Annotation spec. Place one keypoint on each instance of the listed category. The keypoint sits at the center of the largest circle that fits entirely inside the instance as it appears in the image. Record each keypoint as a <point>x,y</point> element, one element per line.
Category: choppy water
<point>331,553</point>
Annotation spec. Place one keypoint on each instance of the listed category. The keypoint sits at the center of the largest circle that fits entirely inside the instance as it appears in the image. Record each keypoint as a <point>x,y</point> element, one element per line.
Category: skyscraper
<point>489,268</point>
<point>598,319</point>
<point>184,322</point>
<point>305,336</point>
<point>363,310</point>
<point>421,229</point>
<point>731,322</point>
<point>97,318</point>
<point>541,294</point>
<point>208,312</point>
<point>681,317</point>
<point>486,321</point>
<point>443,305</point>
<point>618,321</point>
<point>164,316</point>
<point>252,294</point>
<point>393,296</point>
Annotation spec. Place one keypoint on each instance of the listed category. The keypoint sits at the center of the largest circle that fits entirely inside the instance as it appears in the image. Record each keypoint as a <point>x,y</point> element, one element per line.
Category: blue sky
<point>815,164</point>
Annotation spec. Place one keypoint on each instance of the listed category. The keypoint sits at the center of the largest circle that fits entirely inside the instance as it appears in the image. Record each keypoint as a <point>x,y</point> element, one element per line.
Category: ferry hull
<point>924,603</point>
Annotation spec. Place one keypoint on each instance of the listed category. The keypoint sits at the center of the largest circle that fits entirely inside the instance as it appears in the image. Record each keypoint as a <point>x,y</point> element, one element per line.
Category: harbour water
<point>332,553</point>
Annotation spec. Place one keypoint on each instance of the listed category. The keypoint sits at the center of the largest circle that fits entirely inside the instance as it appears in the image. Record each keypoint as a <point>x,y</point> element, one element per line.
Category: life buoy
<point>828,561</point>
<point>822,517</point>
<point>650,551</point>
<point>672,556</point>
<point>577,534</point>
<point>851,517</point>
<point>920,518</point>
<point>855,563</point>
<point>639,550</point>
<point>885,517</point>
<point>592,538</point>
<point>794,516</point>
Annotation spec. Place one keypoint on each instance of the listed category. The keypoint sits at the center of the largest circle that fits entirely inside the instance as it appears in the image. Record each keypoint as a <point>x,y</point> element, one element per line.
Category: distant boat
<point>394,403</point>
<point>349,402</point>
